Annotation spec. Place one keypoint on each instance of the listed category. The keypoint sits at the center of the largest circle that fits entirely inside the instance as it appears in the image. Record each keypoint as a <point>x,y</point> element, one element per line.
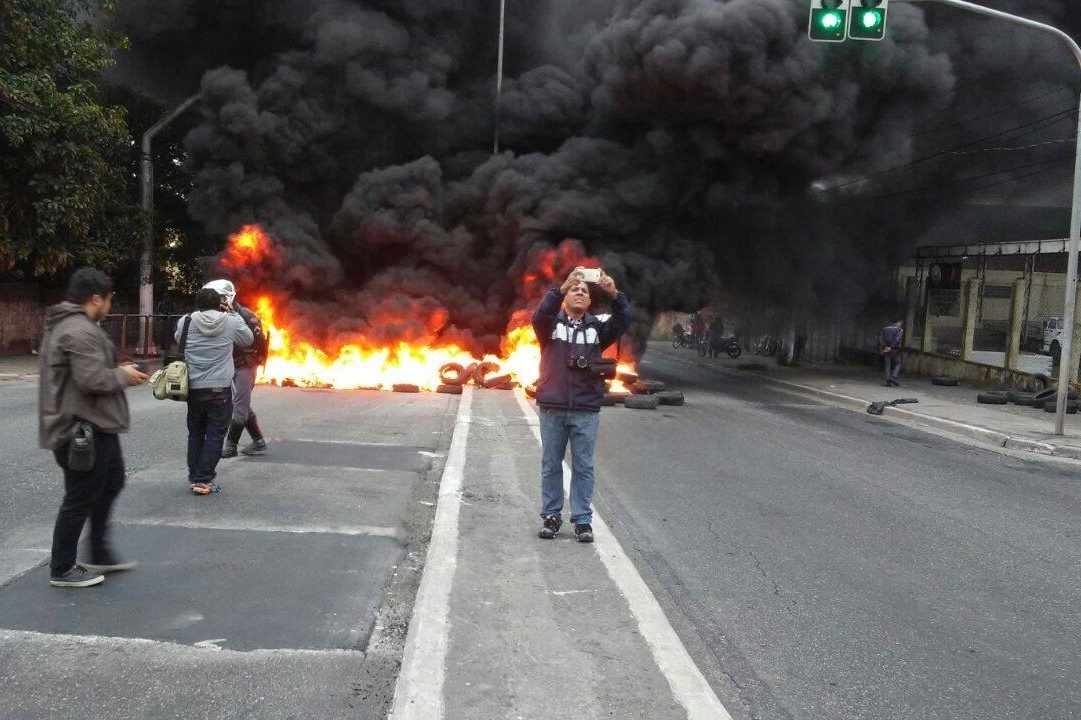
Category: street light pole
<point>146,191</point>
<point>1066,351</point>
<point>499,73</point>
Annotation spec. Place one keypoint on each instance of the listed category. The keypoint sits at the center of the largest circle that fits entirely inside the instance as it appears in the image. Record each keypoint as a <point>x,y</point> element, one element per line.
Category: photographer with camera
<point>570,391</point>
<point>247,360</point>
<point>211,334</point>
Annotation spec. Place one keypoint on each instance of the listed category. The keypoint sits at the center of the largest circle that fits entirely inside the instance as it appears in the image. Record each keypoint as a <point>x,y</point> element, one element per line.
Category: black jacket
<point>561,386</point>
<point>255,354</point>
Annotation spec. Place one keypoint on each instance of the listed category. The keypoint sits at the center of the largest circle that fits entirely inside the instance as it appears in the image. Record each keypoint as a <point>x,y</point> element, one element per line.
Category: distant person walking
<point>82,410</point>
<point>889,343</point>
<point>212,331</point>
<point>247,360</point>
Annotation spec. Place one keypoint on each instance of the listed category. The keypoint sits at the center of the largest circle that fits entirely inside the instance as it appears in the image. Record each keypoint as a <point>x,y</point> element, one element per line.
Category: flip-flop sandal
<point>201,489</point>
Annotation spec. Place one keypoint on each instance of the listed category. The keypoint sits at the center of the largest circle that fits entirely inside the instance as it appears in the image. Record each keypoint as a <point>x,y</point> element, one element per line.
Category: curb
<point>976,432</point>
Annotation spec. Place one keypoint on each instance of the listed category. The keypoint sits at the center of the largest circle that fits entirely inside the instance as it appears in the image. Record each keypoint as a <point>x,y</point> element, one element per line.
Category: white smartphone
<point>591,275</point>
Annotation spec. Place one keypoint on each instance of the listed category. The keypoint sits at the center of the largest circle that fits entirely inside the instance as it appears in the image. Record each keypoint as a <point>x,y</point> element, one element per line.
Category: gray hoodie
<point>209,351</point>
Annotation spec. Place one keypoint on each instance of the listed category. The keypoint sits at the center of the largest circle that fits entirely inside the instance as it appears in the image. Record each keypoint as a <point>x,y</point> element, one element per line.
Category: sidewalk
<point>947,409</point>
<point>18,367</point>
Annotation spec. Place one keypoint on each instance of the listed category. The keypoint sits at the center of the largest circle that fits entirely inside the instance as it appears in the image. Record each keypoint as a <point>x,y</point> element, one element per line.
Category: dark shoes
<point>549,528</point>
<point>77,577</point>
<point>258,447</point>
<point>892,383</point>
<point>110,564</point>
<point>583,533</point>
<point>229,450</point>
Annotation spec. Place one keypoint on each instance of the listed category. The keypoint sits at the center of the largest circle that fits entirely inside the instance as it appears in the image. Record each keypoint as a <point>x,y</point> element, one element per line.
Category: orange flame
<point>366,363</point>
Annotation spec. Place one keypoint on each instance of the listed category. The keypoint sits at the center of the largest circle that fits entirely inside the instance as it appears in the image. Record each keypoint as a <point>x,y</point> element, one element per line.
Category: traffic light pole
<point>1066,351</point>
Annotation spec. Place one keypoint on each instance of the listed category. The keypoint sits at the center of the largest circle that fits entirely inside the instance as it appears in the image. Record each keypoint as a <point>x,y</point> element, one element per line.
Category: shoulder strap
<point>184,335</point>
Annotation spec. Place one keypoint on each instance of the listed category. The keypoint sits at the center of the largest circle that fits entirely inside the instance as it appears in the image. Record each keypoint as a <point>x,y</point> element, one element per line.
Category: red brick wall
<point>22,315</point>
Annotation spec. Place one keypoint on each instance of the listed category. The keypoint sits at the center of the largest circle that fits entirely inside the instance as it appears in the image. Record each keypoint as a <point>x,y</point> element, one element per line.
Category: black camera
<point>605,367</point>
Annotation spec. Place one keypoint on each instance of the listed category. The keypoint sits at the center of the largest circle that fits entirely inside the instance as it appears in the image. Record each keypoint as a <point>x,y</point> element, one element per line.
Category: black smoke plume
<point>698,148</point>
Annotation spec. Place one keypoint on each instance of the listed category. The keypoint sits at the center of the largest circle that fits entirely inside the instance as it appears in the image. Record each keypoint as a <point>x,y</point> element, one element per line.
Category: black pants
<point>87,494</point>
<point>208,419</point>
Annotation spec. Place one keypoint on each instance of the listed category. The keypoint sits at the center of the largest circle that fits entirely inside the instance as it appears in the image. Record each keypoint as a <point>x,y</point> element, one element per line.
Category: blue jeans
<point>208,419</point>
<point>580,428</point>
<point>891,364</point>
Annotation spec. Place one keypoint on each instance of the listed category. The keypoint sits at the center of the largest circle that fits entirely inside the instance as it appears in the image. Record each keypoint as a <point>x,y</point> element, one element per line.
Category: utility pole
<point>1065,359</point>
<point>146,190</point>
<point>499,73</point>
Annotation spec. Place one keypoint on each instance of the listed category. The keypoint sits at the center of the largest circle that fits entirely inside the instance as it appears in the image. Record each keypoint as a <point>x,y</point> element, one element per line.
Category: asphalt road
<point>816,562</point>
<point>287,595</point>
<point>833,565</point>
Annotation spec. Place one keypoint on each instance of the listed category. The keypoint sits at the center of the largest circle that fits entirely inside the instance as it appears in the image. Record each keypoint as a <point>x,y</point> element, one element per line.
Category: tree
<point>63,198</point>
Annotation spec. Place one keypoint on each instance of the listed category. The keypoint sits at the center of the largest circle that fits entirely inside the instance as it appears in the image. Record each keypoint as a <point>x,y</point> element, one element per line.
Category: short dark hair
<point>207,299</point>
<point>87,282</point>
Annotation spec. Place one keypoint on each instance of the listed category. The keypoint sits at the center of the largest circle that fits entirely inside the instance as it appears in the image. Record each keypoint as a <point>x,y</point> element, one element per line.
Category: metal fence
<point>142,335</point>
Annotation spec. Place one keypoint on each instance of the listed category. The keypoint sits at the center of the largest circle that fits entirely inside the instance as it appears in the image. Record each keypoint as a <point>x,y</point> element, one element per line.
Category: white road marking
<point>419,691</point>
<point>688,684</point>
<point>24,635</point>
<point>392,532</point>
<point>210,644</point>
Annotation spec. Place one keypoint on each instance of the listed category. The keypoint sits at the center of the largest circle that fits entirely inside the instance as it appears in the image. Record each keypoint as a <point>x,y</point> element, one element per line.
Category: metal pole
<point>499,74</point>
<point>146,192</point>
<point>1066,352</point>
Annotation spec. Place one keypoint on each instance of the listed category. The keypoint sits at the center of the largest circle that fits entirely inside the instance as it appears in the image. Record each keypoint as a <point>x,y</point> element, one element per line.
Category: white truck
<point>1051,332</point>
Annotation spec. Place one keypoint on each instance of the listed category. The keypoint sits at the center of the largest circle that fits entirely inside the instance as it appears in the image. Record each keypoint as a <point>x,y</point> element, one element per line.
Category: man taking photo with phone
<point>570,391</point>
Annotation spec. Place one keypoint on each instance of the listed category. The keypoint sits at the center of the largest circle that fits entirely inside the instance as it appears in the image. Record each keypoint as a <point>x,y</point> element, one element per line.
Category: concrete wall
<point>926,364</point>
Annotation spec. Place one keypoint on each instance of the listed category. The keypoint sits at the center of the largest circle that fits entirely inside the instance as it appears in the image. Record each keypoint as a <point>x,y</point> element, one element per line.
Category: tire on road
<point>647,387</point>
<point>642,402</point>
<point>670,397</point>
<point>992,398</point>
<point>453,374</point>
<point>1038,382</point>
<point>482,371</point>
<point>406,388</point>
<point>498,382</point>
<point>945,381</point>
<point>449,389</point>
<point>627,378</point>
<point>1052,406</point>
<point>1022,398</point>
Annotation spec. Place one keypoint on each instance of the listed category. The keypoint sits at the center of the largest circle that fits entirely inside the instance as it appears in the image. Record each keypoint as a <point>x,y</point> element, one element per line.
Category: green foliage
<point>64,198</point>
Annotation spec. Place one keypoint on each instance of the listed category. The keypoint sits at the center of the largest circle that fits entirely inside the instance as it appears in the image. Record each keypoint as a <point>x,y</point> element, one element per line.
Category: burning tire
<point>627,378</point>
<point>992,398</point>
<point>531,391</point>
<point>642,402</point>
<point>945,381</point>
<point>482,370</point>
<point>406,388</point>
<point>670,397</point>
<point>453,374</point>
<point>449,389</point>
<point>499,382</point>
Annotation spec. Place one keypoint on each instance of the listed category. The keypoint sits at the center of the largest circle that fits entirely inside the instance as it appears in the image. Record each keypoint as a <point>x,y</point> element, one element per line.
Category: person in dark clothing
<point>209,355</point>
<point>247,360</point>
<point>716,337</point>
<point>82,387</point>
<point>889,343</point>
<point>570,392</point>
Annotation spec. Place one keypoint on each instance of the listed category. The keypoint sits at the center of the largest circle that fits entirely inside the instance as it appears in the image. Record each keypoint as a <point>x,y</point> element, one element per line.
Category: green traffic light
<point>871,19</point>
<point>830,20</point>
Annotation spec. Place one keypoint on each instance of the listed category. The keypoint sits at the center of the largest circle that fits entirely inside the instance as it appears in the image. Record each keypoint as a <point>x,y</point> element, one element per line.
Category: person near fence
<point>889,343</point>
<point>211,334</point>
<point>247,361</point>
<point>81,401</point>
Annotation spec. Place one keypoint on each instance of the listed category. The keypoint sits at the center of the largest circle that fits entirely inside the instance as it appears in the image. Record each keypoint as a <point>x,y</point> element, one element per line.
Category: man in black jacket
<point>570,392</point>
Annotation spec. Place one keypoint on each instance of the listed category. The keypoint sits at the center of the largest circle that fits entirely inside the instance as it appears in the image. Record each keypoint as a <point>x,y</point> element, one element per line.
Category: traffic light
<point>867,19</point>
<point>828,20</point>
